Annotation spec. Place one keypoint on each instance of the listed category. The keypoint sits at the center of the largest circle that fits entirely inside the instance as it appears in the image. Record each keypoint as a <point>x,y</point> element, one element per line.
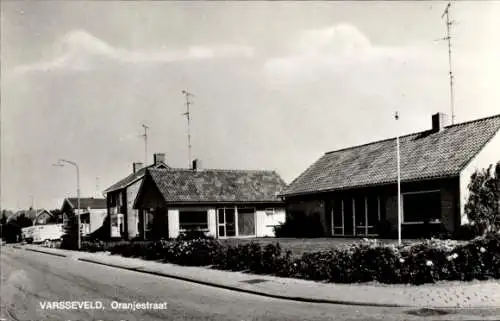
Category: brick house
<point>121,196</point>
<point>222,203</point>
<point>352,189</point>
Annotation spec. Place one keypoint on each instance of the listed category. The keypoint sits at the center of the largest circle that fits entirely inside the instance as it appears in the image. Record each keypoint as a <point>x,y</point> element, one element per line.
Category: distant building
<point>36,216</point>
<point>351,190</point>
<point>222,203</point>
<point>92,212</point>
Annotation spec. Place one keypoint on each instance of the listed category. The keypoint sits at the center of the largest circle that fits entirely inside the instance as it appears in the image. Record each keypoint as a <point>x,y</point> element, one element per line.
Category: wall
<point>173,223</point>
<point>490,154</point>
<point>264,222</point>
<point>97,217</point>
<point>212,222</point>
<point>132,215</point>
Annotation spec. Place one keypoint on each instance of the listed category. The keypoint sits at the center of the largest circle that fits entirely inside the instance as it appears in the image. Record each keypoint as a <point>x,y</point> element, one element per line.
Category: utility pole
<point>188,116</point>
<point>61,163</point>
<point>446,14</point>
<point>145,135</point>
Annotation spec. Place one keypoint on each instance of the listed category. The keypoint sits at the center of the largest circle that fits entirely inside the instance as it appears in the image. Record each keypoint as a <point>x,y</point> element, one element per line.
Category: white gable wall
<point>490,154</point>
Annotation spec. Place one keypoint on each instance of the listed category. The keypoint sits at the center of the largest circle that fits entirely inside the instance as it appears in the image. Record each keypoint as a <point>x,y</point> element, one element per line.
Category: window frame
<point>205,229</point>
<point>431,221</point>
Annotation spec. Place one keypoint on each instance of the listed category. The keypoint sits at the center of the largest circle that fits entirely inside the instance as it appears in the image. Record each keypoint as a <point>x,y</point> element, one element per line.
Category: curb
<point>45,252</point>
<point>233,288</point>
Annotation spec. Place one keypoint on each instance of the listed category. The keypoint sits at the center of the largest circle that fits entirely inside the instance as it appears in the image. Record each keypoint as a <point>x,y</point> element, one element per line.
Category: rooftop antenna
<point>145,135</point>
<point>449,22</point>
<point>188,116</point>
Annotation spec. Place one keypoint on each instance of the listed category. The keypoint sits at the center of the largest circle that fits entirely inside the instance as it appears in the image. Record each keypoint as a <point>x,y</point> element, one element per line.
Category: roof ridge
<point>215,170</point>
<point>473,121</point>
<point>412,134</point>
<point>115,185</point>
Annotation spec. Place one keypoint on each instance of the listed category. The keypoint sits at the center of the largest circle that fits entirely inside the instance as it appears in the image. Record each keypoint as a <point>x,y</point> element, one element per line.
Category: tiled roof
<point>422,155</point>
<point>131,178</point>
<point>31,214</point>
<point>214,185</point>
<point>88,202</point>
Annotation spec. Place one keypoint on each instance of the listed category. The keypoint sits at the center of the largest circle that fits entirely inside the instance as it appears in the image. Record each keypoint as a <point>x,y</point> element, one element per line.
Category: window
<point>193,220</point>
<point>419,207</point>
<point>227,226</point>
<point>246,221</point>
<point>338,217</point>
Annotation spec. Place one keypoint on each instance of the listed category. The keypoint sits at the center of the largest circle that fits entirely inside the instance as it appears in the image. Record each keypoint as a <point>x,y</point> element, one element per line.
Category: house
<point>223,203</point>
<point>120,199</point>
<point>93,212</point>
<point>36,216</point>
<point>352,189</point>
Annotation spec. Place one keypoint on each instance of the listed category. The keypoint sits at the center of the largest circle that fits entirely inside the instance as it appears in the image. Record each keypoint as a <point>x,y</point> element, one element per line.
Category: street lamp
<point>396,116</point>
<point>61,163</point>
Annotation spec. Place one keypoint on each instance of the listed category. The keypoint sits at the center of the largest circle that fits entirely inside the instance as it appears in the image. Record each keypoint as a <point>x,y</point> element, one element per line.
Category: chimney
<point>196,164</point>
<point>439,122</point>
<point>136,167</point>
<point>159,158</point>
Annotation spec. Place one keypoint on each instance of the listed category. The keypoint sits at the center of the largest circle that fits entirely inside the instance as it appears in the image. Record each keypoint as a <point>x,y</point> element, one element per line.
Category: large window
<point>193,220</point>
<point>420,207</point>
<point>234,221</point>
<point>246,221</point>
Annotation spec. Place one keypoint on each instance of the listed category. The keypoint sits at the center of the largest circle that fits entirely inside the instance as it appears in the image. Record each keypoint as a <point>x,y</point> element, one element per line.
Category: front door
<point>226,222</point>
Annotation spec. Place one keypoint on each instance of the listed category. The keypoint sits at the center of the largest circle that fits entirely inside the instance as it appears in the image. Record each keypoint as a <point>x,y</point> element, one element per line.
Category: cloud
<point>79,50</point>
<point>339,49</point>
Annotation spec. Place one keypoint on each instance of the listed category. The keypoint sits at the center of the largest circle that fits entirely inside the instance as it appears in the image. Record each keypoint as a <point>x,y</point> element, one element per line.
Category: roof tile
<point>214,185</point>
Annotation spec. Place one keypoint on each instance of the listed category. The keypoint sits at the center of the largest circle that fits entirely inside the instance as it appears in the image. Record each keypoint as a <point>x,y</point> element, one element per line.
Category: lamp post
<point>61,163</point>
<point>396,116</point>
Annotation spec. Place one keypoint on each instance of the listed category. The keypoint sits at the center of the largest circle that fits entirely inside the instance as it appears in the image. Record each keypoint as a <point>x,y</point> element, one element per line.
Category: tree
<point>483,206</point>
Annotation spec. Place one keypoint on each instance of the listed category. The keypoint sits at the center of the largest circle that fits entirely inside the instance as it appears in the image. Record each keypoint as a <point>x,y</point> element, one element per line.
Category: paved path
<point>485,294</point>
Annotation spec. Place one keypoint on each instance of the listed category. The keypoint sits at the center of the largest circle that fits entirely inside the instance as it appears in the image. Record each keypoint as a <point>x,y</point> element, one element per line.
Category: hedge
<point>425,262</point>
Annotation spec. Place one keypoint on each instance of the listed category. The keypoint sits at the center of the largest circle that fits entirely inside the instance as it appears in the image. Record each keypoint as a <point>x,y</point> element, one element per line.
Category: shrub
<point>483,204</point>
<point>423,262</point>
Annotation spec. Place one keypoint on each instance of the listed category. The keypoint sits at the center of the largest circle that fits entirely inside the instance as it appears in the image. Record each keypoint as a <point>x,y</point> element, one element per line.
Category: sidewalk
<point>484,294</point>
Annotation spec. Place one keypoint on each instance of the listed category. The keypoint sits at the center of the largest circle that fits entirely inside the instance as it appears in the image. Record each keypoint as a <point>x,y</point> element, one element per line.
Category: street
<point>30,279</point>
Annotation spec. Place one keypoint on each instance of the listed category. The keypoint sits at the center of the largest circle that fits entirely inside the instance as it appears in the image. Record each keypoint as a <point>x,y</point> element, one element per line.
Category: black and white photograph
<point>249,160</point>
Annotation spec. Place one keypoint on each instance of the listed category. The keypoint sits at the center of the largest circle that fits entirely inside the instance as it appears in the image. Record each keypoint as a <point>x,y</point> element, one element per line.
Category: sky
<point>276,84</point>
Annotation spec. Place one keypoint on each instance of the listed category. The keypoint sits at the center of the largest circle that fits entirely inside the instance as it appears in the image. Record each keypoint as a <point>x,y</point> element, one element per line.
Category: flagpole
<point>396,116</point>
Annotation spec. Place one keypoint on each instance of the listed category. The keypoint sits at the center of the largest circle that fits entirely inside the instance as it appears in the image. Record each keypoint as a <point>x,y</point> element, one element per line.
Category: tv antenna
<point>145,135</point>
<point>449,23</point>
<point>188,116</point>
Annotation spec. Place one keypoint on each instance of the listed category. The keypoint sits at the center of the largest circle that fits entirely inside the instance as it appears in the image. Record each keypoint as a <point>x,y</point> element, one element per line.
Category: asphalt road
<point>29,279</point>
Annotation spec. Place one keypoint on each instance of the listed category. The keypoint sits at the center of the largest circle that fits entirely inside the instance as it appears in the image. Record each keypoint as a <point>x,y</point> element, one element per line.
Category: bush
<point>423,262</point>
<point>483,204</point>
